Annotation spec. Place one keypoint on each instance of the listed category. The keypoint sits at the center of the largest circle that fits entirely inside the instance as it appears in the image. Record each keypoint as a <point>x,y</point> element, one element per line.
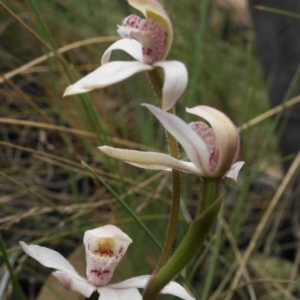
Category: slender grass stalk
<point>13,278</point>
<point>277,11</point>
<point>34,34</point>
<point>197,66</point>
<point>31,192</point>
<point>125,206</point>
<point>84,228</point>
<point>209,278</point>
<point>43,26</point>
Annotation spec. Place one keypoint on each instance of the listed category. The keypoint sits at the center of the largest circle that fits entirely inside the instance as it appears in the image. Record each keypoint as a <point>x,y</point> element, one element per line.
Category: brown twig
<point>269,113</point>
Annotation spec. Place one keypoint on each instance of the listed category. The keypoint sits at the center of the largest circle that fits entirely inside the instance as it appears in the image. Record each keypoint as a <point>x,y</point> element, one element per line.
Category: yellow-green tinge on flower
<point>148,41</point>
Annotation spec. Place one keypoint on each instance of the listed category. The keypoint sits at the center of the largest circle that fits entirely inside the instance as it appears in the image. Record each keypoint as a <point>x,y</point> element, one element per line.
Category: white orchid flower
<point>105,246</point>
<point>211,149</point>
<point>148,41</point>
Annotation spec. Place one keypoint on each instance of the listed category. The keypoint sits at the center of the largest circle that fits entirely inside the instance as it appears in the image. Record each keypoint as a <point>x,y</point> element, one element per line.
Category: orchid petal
<point>226,136</point>
<point>153,10</point>
<point>106,75</point>
<point>114,294</point>
<point>130,46</point>
<point>234,171</point>
<point>172,288</point>
<point>175,82</point>
<point>74,284</point>
<point>50,259</point>
<point>134,282</point>
<point>105,247</point>
<point>150,160</point>
<point>190,141</point>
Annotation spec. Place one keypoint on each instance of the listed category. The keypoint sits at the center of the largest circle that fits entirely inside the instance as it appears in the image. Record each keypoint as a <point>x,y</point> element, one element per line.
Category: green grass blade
<point>125,206</point>
<point>31,192</point>
<point>15,283</point>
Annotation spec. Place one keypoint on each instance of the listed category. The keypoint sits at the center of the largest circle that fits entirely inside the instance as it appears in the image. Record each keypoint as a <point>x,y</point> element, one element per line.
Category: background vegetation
<point>48,197</point>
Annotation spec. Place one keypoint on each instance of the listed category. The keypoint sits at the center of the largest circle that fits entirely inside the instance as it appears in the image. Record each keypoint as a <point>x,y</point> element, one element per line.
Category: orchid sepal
<point>150,160</point>
<point>175,73</point>
<point>65,271</point>
<point>106,75</point>
<point>173,288</point>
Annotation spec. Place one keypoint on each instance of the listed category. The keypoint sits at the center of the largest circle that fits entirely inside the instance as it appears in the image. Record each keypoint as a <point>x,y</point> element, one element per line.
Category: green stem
<point>193,240</point>
<point>187,249</point>
<point>156,80</point>
<point>209,192</point>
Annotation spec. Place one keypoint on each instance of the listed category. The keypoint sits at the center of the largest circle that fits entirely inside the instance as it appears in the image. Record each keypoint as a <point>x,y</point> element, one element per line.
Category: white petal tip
<point>23,245</point>
<point>105,149</point>
<point>79,285</point>
<point>74,90</point>
<point>235,169</point>
<point>174,288</point>
<point>26,248</point>
<point>150,107</point>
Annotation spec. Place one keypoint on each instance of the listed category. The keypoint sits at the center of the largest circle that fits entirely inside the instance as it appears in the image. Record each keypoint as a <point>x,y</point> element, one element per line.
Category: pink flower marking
<point>149,33</point>
<point>207,134</point>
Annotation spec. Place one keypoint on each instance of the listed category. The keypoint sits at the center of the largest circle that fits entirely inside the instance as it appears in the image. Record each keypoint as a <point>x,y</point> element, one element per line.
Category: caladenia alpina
<point>148,41</point>
<point>105,247</point>
<point>211,148</point>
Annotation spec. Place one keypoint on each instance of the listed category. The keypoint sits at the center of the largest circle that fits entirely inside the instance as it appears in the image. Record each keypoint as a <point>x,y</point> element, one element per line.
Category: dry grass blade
<point>286,181</point>
<point>74,131</point>
<point>63,49</point>
<point>269,113</point>
<point>238,256</point>
<point>256,282</point>
<point>33,33</point>
<point>65,161</point>
<point>69,209</point>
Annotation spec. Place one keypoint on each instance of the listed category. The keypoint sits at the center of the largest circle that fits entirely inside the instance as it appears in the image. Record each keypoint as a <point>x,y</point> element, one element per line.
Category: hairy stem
<point>210,190</point>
